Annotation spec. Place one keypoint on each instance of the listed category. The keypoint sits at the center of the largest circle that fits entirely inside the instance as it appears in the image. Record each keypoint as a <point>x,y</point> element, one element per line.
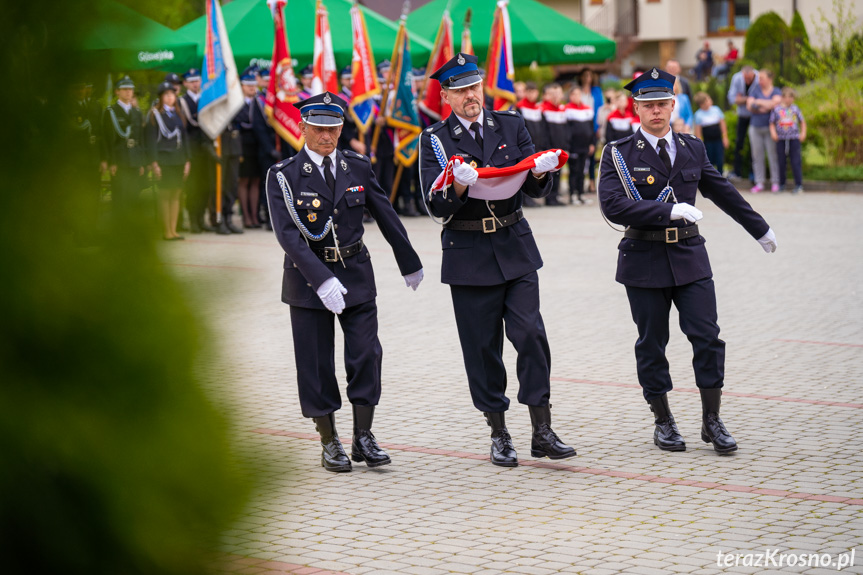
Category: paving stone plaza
<point>793,323</point>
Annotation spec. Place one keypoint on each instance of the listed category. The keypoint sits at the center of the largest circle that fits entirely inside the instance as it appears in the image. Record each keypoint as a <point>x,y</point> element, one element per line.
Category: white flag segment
<point>221,95</point>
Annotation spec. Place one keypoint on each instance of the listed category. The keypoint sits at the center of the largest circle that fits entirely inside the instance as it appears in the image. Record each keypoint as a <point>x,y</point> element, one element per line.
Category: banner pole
<point>218,145</point>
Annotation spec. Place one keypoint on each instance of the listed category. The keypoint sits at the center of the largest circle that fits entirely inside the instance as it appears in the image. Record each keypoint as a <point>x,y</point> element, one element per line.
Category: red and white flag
<point>494,183</point>
<point>284,87</point>
<point>430,102</point>
<point>326,78</point>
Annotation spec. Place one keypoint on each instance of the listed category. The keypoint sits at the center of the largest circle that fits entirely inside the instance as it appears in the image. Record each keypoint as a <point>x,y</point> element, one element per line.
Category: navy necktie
<point>328,174</point>
<point>476,134</point>
<point>663,154</point>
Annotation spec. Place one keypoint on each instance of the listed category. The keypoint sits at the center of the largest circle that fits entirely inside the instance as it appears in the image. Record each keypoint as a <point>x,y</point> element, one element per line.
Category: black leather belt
<point>486,225</point>
<point>668,235</point>
<point>330,255</point>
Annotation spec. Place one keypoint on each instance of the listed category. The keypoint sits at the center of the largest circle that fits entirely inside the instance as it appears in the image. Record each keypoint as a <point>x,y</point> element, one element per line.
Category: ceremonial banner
<point>430,101</point>
<point>500,71</point>
<point>283,87</point>
<point>466,43</point>
<point>221,95</point>
<point>326,77</point>
<point>365,79</point>
<point>400,110</point>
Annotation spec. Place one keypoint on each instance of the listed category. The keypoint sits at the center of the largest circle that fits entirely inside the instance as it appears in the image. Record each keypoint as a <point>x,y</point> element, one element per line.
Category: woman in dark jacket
<point>168,155</point>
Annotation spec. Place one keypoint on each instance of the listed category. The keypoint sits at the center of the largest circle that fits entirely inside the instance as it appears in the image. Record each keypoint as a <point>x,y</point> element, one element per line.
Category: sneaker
<point>774,188</point>
<point>757,188</point>
<point>798,190</point>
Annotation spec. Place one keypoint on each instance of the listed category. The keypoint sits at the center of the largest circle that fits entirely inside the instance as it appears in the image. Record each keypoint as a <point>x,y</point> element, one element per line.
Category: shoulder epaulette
<point>622,140</point>
<point>355,155</point>
<point>435,127</point>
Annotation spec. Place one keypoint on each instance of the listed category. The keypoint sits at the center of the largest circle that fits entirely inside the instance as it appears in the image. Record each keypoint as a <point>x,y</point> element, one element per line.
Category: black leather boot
<point>712,429</point>
<point>502,450</point>
<point>364,447</point>
<point>333,457</point>
<point>222,228</point>
<point>666,436</point>
<point>231,227</point>
<point>545,441</point>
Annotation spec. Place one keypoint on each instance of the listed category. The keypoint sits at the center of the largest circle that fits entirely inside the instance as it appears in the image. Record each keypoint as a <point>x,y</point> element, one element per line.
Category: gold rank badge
<point>316,203</point>
<point>473,164</point>
<point>650,179</point>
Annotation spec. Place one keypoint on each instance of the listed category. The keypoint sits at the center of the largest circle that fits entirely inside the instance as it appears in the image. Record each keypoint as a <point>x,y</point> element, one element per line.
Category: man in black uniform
<point>203,171</point>
<point>123,149</point>
<point>316,204</point>
<point>648,182</point>
<point>490,257</point>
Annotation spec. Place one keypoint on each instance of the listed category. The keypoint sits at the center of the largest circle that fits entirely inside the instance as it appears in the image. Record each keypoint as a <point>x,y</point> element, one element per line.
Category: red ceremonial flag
<point>284,87</point>
<point>500,71</point>
<point>430,101</point>
<point>326,78</point>
<point>365,84</point>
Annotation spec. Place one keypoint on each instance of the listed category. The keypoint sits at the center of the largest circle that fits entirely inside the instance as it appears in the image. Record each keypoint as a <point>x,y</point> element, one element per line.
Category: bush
<point>113,459</point>
<point>731,125</point>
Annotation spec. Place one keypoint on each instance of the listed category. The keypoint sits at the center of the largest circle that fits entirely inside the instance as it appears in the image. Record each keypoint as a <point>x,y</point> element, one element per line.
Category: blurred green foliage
<point>112,458</point>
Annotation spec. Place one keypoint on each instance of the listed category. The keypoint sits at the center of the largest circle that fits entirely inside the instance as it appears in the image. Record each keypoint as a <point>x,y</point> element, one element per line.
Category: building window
<point>724,16</point>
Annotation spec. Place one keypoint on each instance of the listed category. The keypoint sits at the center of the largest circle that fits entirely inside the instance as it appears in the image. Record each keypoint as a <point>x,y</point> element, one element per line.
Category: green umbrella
<point>124,40</point>
<point>250,29</point>
<point>539,33</point>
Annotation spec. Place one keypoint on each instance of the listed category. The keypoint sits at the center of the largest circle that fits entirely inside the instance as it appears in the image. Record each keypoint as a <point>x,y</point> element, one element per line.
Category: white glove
<point>768,242</point>
<point>464,174</point>
<point>546,163</point>
<point>686,212</point>
<point>331,293</point>
<point>413,280</point>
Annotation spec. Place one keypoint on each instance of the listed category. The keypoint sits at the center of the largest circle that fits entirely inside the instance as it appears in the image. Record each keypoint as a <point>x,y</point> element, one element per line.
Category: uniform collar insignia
<point>344,165</point>
<point>640,144</point>
<point>491,122</point>
<point>457,129</point>
<point>307,168</point>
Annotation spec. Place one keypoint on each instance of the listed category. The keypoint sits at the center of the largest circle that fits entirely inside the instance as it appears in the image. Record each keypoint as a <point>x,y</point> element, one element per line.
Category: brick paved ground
<point>793,321</point>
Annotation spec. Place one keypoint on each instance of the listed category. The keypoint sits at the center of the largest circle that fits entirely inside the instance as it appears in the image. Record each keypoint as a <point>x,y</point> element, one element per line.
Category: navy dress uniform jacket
<point>304,270</point>
<point>473,257</point>
<point>117,150</point>
<point>653,264</point>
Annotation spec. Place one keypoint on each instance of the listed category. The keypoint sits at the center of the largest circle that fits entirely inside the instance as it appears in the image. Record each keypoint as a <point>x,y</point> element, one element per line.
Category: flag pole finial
<point>406,7</point>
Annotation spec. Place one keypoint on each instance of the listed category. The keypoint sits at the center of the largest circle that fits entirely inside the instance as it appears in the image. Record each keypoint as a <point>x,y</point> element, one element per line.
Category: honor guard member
<point>231,147</point>
<point>307,74</point>
<point>647,183</point>
<point>316,203</point>
<point>86,151</point>
<point>490,257</point>
<point>202,172</point>
<point>123,148</point>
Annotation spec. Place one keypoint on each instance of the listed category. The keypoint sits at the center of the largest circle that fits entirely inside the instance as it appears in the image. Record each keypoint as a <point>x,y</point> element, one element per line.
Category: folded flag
<point>494,183</point>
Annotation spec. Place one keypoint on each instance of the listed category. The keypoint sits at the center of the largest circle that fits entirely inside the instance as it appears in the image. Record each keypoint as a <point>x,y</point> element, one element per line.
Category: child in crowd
<point>710,128</point>
<point>579,118</point>
<point>788,130</point>
<point>619,123</point>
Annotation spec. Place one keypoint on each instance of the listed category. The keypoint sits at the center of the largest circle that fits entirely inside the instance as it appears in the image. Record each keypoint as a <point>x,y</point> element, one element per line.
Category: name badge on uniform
<point>312,194</point>
<point>637,169</point>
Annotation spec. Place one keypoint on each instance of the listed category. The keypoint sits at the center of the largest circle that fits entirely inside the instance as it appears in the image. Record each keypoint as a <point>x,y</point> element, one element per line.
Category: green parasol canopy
<point>539,33</point>
<point>124,40</point>
<point>250,29</point>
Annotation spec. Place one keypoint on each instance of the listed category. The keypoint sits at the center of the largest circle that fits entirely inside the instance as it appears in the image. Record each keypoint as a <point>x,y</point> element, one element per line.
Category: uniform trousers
<point>577,161</point>
<point>314,352</point>
<point>202,175</point>
<point>696,305</point>
<point>230,181</point>
<point>483,314</point>
<point>125,192</point>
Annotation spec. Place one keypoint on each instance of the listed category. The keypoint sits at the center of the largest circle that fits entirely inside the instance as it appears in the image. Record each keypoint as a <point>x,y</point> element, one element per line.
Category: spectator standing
<point>738,92</point>
<point>591,94</point>
<point>582,142</point>
<point>673,67</point>
<point>554,114</point>
<point>710,128</point>
<point>619,122</point>
<point>682,107</point>
<point>788,130</point>
<point>763,97</point>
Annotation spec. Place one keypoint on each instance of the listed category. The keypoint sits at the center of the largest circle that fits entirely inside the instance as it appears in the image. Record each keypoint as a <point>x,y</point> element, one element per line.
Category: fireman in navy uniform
<point>201,182</point>
<point>662,258</point>
<point>123,148</point>
<point>490,258</point>
<point>316,204</point>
